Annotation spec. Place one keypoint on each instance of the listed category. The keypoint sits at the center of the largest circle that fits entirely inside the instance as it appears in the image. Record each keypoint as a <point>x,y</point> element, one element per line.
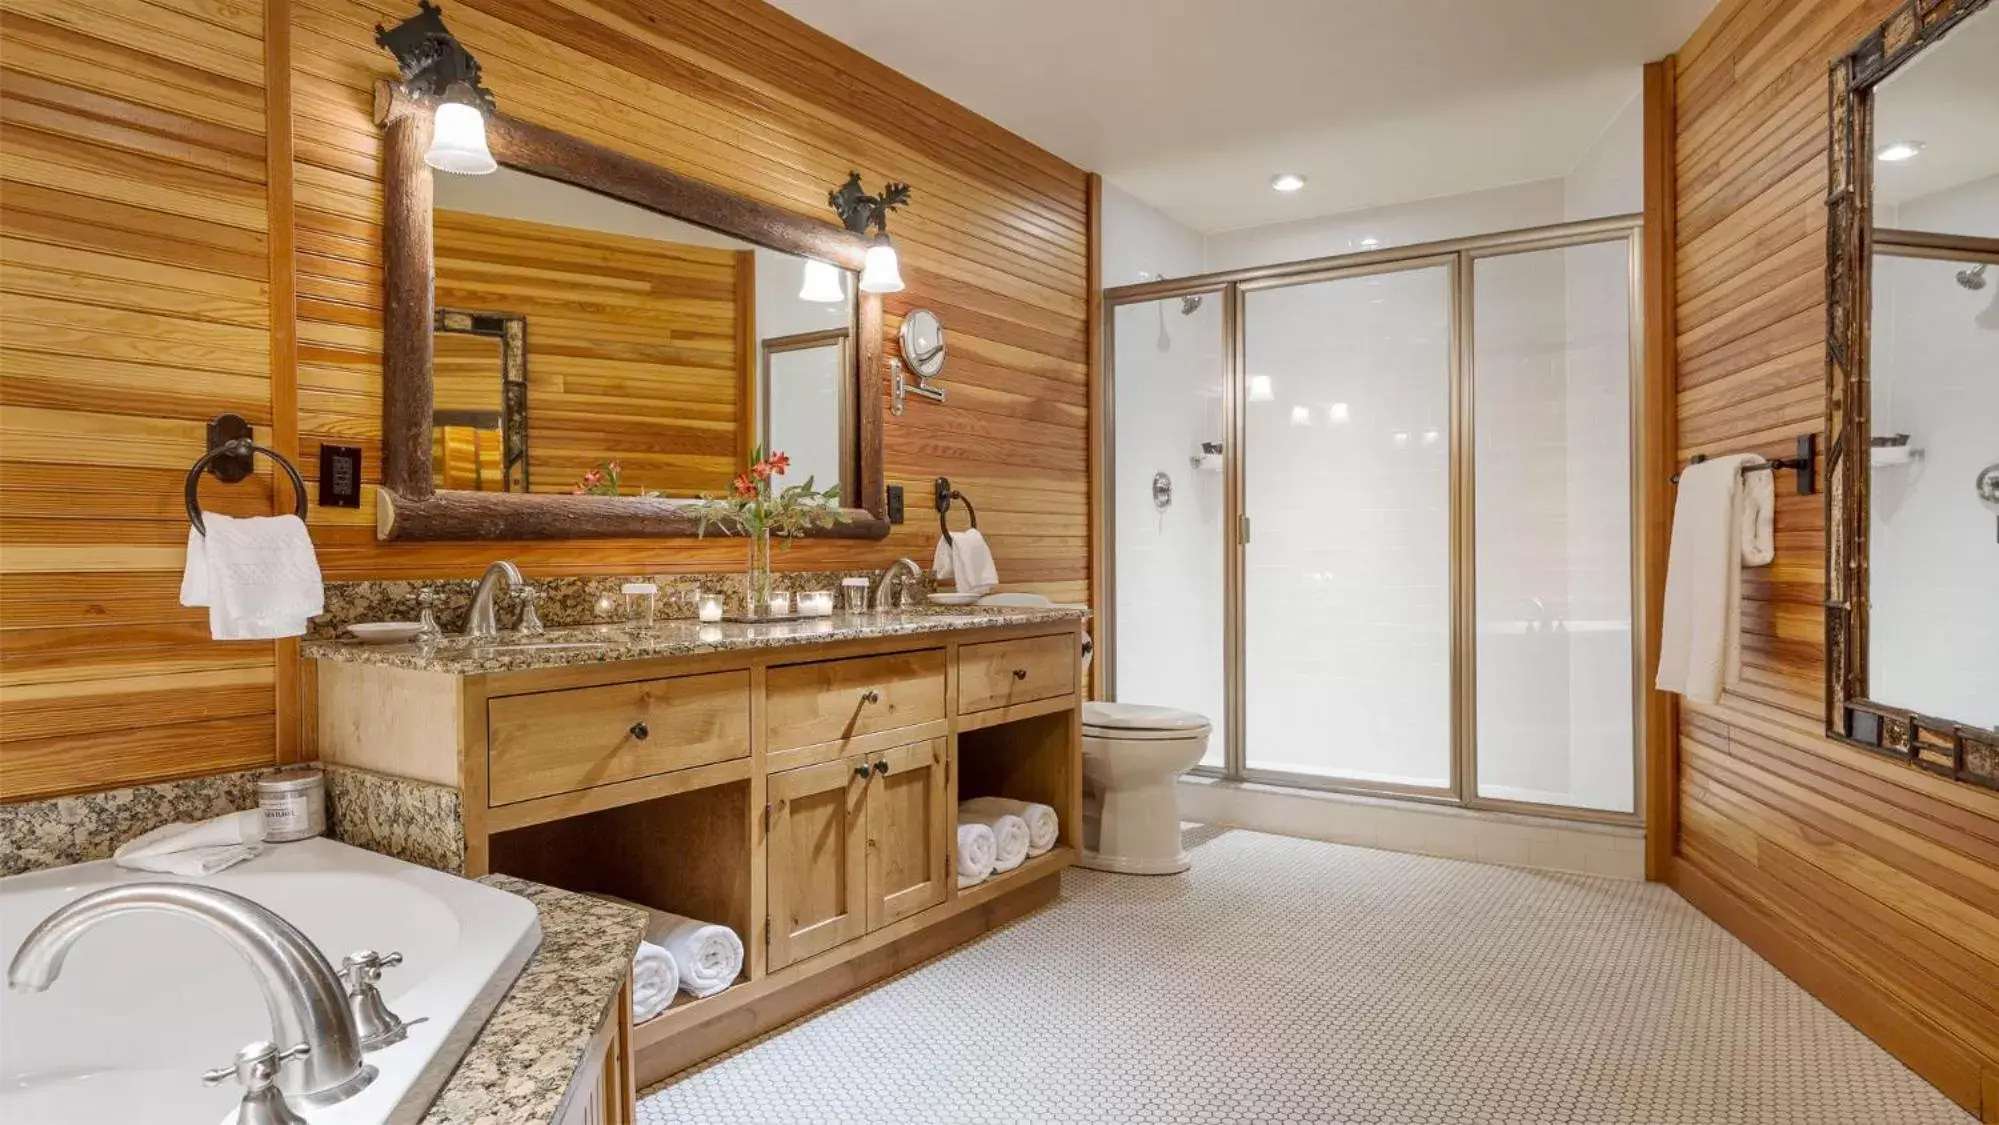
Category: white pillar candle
<point>780,603</point>
<point>709,607</point>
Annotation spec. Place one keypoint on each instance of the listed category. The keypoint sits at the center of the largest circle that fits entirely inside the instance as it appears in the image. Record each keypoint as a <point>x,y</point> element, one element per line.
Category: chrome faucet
<point>321,1059</point>
<point>887,581</point>
<point>479,621</point>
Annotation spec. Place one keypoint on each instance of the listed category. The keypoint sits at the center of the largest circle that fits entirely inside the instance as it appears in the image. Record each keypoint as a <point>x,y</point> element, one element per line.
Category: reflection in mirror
<point>1932,540</point>
<point>638,366</point>
<point>805,382</point>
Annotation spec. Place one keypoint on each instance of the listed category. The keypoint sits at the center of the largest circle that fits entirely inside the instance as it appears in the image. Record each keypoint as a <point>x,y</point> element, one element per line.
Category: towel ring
<point>230,455</point>
<point>946,494</point>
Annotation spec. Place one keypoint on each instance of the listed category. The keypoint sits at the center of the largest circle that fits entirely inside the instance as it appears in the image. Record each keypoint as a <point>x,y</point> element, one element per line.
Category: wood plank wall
<point>150,263</point>
<point>634,346</point>
<point>1873,885</point>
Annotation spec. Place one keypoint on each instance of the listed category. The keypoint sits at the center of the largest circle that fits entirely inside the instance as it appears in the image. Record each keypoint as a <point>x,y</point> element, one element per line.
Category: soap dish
<point>385,632</point>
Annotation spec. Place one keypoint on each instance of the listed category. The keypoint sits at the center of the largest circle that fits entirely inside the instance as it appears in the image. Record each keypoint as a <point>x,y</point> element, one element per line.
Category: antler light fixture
<point>438,70</point>
<point>880,272</point>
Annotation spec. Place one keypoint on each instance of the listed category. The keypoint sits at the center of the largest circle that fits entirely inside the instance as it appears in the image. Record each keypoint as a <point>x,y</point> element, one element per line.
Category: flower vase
<point>756,591</point>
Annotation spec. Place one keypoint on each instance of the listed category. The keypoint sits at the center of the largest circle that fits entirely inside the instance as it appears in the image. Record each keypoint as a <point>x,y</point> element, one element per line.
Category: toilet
<point>1132,756</point>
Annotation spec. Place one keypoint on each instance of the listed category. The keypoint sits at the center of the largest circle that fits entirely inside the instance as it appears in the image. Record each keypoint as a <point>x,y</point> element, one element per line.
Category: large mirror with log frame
<point>1912,391</point>
<point>580,343</point>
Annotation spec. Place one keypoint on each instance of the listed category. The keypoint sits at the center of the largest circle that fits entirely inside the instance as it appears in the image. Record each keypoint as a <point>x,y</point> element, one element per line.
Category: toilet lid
<point>1140,717</point>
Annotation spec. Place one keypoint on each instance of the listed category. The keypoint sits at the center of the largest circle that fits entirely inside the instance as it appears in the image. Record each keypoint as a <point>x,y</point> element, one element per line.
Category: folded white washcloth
<point>1043,826</point>
<point>709,957</point>
<point>966,560</point>
<point>202,848</point>
<point>976,852</point>
<point>655,978</point>
<point>1009,835</point>
<point>258,577</point>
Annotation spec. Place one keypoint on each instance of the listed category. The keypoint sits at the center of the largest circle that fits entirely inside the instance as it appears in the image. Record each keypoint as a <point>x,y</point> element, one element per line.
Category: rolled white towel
<point>655,978</point>
<point>709,957</point>
<point>1043,826</point>
<point>202,848</point>
<point>1009,835</point>
<point>976,852</point>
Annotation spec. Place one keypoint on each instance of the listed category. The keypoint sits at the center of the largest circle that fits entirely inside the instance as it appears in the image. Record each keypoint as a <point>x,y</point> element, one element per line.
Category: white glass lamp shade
<point>880,273</point>
<point>1260,389</point>
<point>823,283</point>
<point>458,141</point>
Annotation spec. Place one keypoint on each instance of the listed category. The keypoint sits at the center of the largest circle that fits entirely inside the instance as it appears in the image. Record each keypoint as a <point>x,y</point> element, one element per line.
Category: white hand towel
<point>709,957</point>
<point>257,577</point>
<point>202,848</point>
<point>1700,643</point>
<point>1043,826</point>
<point>976,852</point>
<point>1756,512</point>
<point>655,978</point>
<point>966,560</point>
<point>1009,836</point>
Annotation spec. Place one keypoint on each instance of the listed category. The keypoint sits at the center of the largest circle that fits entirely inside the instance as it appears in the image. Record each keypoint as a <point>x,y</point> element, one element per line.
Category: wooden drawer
<point>835,701</point>
<point>999,673</point>
<point>562,741</point>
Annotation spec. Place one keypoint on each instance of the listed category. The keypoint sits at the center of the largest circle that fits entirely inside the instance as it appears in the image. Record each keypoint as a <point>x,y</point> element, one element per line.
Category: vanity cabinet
<point>551,742</point>
<point>1004,673</point>
<point>854,845</point>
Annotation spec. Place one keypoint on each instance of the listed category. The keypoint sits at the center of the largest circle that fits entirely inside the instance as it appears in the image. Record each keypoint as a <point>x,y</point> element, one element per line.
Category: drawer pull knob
<point>871,696</point>
<point>861,771</point>
<point>640,731</point>
<point>1020,673</point>
<point>881,767</point>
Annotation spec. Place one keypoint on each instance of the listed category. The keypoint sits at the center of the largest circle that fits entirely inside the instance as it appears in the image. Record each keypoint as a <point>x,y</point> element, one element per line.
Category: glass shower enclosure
<point>1373,515</point>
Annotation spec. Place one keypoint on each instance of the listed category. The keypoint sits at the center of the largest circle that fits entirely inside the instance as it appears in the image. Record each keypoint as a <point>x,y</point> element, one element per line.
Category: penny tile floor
<point>1288,980</point>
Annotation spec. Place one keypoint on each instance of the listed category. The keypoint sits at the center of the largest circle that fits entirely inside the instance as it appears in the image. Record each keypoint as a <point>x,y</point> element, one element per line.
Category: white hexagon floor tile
<point>1288,980</point>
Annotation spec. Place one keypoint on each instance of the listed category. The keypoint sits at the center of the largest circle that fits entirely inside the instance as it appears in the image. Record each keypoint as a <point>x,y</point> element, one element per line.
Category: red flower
<point>614,468</point>
<point>761,470</point>
<point>578,490</point>
<point>745,487</point>
<point>593,477</point>
<point>779,462</point>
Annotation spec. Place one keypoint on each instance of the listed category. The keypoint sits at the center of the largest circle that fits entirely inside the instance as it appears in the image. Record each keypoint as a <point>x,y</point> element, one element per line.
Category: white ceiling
<point>1192,105</point>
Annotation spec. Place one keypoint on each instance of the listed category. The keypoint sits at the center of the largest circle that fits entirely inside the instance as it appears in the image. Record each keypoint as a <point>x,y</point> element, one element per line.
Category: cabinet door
<point>909,854</point>
<point>816,856</point>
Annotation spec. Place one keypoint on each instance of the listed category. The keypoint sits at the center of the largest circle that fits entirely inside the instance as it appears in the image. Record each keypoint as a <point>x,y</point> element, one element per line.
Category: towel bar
<point>231,456</point>
<point>1805,464</point>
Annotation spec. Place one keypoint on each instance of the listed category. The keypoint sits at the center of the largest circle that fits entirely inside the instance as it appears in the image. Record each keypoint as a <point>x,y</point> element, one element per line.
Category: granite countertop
<point>602,644</point>
<point>520,1068</point>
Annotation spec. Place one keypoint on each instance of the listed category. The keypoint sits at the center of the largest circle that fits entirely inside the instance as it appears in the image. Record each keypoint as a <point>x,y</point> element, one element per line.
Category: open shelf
<point>1037,758</point>
<point>685,853</point>
<point>1047,863</point>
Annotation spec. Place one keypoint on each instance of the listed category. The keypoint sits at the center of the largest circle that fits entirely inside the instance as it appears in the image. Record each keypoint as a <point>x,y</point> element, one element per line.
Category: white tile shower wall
<point>1169,631</point>
<point>1933,601</point>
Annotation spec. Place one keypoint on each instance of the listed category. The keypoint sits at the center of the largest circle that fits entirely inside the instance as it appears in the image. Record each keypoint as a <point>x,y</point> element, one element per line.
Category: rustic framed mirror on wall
<point>1912,391</point>
<point>580,343</point>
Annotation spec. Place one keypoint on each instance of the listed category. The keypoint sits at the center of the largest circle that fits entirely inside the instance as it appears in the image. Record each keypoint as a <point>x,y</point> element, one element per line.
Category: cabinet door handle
<point>861,771</point>
<point>1020,673</point>
<point>871,696</point>
<point>640,731</point>
<point>881,767</point>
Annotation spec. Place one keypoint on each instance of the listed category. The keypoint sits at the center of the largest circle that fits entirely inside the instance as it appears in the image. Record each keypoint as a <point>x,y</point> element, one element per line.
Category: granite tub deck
<point>604,644</point>
<point>520,1069</point>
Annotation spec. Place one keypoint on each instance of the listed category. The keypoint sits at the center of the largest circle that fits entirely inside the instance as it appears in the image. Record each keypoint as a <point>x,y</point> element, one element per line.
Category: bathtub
<point>147,1002</point>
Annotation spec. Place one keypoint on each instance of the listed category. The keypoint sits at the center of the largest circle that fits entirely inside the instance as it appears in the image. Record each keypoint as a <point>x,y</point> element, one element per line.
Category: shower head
<point>1972,277</point>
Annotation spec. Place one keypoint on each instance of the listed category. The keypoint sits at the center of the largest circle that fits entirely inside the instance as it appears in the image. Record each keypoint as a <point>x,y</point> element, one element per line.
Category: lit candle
<point>816,603</point>
<point>710,607</point>
<point>780,603</point>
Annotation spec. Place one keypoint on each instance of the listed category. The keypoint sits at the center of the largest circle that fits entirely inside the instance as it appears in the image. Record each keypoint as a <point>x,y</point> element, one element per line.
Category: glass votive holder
<point>780,603</point>
<point>708,607</point>
<point>815,603</point>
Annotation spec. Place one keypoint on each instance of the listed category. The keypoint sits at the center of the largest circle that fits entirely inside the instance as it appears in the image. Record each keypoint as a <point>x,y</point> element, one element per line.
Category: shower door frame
<point>1460,257</point>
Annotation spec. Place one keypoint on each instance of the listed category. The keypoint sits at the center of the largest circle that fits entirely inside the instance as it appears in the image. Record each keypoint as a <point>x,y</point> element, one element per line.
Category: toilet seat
<point>1138,722</point>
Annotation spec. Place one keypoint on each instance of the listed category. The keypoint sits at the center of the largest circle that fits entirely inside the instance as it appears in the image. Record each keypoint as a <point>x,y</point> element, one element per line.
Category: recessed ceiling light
<point>1260,389</point>
<point>1287,181</point>
<point>1369,243</point>
<point>1899,151</point>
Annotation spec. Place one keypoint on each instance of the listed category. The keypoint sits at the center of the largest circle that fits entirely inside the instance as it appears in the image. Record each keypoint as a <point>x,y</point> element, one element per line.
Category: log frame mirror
<point>410,506</point>
<point>1953,747</point>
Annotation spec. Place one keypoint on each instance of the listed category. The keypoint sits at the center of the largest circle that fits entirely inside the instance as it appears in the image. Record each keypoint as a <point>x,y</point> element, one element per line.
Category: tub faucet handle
<point>376,1025</point>
<point>256,1067</point>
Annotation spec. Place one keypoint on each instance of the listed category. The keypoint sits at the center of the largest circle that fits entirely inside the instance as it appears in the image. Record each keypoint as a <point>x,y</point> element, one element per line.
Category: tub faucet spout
<point>301,991</point>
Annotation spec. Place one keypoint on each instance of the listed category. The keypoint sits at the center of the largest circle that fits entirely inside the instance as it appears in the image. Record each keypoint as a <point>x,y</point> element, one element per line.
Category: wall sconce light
<point>438,70</point>
<point>880,272</point>
<point>823,283</point>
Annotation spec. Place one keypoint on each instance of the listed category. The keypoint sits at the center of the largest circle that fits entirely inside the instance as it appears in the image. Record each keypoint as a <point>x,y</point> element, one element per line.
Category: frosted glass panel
<point>1552,372</point>
<point>1168,398</point>
<point>1347,573</point>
